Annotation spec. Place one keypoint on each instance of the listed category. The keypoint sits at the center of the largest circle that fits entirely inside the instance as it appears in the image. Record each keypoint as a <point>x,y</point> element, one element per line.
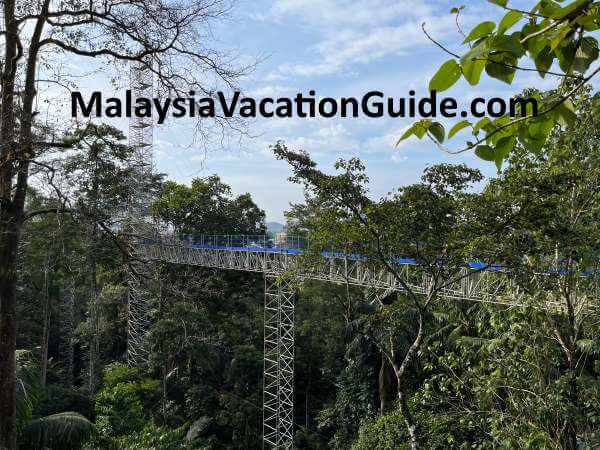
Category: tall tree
<point>430,222</point>
<point>164,36</point>
<point>97,173</point>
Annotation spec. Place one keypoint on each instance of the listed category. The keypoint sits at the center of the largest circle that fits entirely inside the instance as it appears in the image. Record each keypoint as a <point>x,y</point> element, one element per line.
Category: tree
<point>164,37</point>
<point>98,177</point>
<point>550,32</point>
<point>208,207</point>
<point>557,190</point>
<point>430,222</point>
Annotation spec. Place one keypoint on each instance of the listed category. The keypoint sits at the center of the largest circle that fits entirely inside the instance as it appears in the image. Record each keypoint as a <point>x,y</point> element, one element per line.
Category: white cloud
<point>349,42</point>
<point>271,90</point>
<point>397,158</point>
<point>335,13</point>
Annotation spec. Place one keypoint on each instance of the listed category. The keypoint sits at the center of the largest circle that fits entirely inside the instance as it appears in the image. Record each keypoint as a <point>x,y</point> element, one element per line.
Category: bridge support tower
<point>138,223</point>
<point>278,378</point>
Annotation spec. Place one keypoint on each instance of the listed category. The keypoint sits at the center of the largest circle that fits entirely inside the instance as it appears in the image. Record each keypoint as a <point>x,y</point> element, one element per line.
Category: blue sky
<point>338,48</point>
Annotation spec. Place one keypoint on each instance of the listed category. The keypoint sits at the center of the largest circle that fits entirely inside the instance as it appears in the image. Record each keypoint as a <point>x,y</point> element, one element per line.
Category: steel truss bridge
<point>281,264</point>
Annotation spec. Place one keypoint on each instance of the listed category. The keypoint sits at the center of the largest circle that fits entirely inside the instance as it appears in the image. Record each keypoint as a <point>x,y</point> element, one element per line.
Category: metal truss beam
<point>487,286</point>
<point>278,379</point>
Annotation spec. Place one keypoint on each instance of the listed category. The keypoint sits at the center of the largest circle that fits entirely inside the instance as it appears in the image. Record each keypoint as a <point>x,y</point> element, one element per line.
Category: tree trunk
<point>408,419</point>
<point>68,321</point>
<point>8,238</point>
<point>307,398</point>
<point>94,340</point>
<point>8,332</point>
<point>400,372</point>
<point>93,248</point>
<point>46,329</point>
<point>14,161</point>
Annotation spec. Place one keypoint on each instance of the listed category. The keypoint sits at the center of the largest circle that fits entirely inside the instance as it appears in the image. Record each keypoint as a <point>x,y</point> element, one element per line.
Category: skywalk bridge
<point>280,262</point>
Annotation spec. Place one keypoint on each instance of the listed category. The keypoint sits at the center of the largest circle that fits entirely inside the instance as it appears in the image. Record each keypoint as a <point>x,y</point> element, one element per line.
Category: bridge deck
<point>475,282</point>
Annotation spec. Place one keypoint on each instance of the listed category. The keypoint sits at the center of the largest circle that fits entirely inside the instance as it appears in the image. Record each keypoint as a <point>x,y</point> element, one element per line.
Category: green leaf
<point>457,127</point>
<point>438,131</point>
<point>421,127</point>
<point>543,61</point>
<point>472,70</point>
<point>502,3</point>
<point>481,30</point>
<point>566,57</point>
<point>591,21</point>
<point>502,149</point>
<point>511,18</point>
<point>485,152</point>
<point>566,113</point>
<point>540,128</point>
<point>417,129</point>
<point>408,133</point>
<point>499,67</point>
<point>536,45</point>
<point>548,8</point>
<point>589,346</point>
<point>508,43</point>
<point>532,145</point>
<point>560,37</point>
<point>586,54</point>
<point>446,76</point>
<point>570,9</point>
<point>62,430</point>
<point>481,124</point>
<point>475,53</point>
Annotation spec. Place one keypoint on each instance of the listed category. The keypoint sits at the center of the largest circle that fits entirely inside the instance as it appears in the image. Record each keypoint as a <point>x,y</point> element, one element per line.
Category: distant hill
<point>274,227</point>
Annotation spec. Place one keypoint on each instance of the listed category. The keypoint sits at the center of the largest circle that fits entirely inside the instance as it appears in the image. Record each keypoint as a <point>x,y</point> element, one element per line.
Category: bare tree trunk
<point>386,384</point>
<point>46,329</point>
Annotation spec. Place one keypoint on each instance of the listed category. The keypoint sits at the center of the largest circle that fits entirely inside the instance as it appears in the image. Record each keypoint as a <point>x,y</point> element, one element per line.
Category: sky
<point>337,48</point>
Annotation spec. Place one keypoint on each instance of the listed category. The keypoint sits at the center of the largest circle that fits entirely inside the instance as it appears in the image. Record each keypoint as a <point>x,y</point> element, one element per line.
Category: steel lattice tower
<point>138,223</point>
<point>278,377</point>
<point>278,382</point>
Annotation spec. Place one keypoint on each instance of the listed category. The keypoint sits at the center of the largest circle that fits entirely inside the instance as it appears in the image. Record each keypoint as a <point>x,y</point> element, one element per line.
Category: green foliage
<point>125,402</point>
<point>29,388</point>
<point>382,433</point>
<point>550,34</point>
<point>355,391</point>
<point>153,437</point>
<point>208,207</point>
<point>57,431</point>
<point>448,74</point>
<point>440,432</point>
<point>484,376</point>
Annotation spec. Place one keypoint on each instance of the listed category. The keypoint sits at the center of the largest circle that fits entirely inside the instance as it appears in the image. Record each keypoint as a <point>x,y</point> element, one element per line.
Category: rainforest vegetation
<point>371,371</point>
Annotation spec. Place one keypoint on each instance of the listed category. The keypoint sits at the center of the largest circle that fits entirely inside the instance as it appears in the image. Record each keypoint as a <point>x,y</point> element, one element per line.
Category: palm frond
<point>57,431</point>
<point>29,386</point>
<point>589,346</point>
